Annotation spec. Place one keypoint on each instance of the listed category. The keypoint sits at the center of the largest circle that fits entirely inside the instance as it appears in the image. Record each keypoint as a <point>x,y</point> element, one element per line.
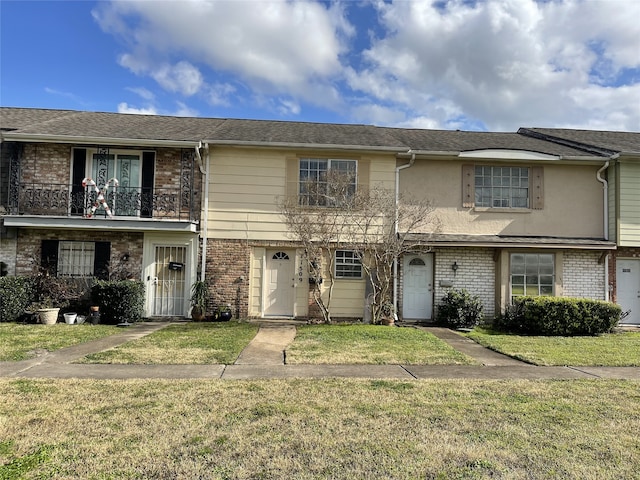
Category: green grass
<point>370,344</point>
<point>182,344</point>
<point>613,350</point>
<point>320,429</point>
<point>21,342</point>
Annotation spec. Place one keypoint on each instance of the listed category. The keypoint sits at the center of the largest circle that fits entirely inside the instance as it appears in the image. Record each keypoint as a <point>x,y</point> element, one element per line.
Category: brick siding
<point>583,276</point>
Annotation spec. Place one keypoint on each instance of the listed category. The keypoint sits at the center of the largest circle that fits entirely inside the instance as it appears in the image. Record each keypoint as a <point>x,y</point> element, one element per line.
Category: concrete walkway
<point>264,358</point>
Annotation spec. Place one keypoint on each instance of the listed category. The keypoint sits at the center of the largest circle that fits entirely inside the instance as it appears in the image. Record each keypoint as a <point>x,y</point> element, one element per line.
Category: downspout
<point>395,260</point>
<point>205,209</point>
<point>605,203</point>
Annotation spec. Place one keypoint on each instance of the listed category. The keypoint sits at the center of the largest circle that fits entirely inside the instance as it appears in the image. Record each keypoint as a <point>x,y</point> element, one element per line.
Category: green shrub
<point>460,309</point>
<point>559,316</point>
<point>15,296</point>
<point>119,301</point>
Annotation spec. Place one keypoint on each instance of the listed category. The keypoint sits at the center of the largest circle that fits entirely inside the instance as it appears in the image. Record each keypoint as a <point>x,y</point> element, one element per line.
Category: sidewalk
<point>264,358</point>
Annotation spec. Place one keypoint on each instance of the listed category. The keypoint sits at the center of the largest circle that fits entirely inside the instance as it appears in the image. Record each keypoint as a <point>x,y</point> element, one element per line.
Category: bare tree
<point>332,214</point>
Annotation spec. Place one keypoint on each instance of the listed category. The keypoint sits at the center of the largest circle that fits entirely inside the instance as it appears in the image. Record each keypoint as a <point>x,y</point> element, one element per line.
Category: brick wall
<point>227,272</point>
<point>583,276</point>
<point>29,249</point>
<point>476,273</point>
<point>8,253</point>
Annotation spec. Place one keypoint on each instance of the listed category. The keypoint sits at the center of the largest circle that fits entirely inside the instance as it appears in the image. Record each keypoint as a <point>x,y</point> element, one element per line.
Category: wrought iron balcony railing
<point>76,201</point>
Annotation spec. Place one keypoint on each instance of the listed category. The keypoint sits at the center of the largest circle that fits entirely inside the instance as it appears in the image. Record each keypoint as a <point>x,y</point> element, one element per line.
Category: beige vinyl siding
<point>629,206</point>
<point>348,298</point>
<point>255,282</point>
<point>245,185</point>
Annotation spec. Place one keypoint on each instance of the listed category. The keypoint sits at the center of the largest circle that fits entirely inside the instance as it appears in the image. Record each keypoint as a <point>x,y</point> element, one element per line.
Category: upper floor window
<point>532,274</point>
<point>493,186</point>
<point>501,187</point>
<point>347,264</point>
<point>326,182</point>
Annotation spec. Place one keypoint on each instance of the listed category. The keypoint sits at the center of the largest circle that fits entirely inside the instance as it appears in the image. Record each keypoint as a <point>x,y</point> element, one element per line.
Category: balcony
<point>123,203</point>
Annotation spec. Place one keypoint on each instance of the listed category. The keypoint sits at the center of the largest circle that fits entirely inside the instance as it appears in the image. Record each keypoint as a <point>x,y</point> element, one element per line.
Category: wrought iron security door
<point>168,287</point>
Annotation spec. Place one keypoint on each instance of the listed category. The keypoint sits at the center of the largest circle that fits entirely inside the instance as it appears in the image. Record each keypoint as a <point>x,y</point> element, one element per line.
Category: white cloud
<point>274,46</point>
<point>506,62</point>
<point>124,107</point>
<point>142,93</point>
<point>497,64</point>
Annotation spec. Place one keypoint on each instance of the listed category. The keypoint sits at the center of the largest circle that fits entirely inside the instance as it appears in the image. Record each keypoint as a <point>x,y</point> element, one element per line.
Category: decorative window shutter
<point>49,257</point>
<point>468,185</point>
<point>147,179</point>
<point>78,173</point>
<point>363,175</point>
<point>536,192</point>
<point>292,177</point>
<point>101,260</point>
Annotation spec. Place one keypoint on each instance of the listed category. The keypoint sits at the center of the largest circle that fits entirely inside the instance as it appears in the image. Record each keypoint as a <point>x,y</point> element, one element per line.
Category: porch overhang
<point>506,241</point>
<point>104,224</point>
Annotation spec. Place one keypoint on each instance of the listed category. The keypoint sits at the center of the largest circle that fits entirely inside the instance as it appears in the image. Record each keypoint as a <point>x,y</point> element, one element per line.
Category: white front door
<point>417,293</point>
<point>628,286</point>
<point>168,295</point>
<point>280,283</point>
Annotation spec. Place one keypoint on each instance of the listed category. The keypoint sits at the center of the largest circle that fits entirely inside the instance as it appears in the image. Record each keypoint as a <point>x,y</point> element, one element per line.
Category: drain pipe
<point>395,260</point>
<point>205,210</point>
<point>605,204</point>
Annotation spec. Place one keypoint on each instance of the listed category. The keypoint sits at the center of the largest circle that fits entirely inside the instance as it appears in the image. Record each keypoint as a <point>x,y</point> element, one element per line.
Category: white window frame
<point>347,265</point>
<point>331,164</point>
<point>76,259</point>
<point>507,186</point>
<point>528,276</point>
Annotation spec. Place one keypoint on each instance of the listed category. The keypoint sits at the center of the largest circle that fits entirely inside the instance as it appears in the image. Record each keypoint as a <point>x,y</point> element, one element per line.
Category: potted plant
<point>387,313</point>
<point>199,297</point>
<point>224,313</point>
<point>45,311</point>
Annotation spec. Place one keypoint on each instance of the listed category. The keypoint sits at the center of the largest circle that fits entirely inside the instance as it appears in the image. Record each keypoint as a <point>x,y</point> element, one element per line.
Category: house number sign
<point>102,192</point>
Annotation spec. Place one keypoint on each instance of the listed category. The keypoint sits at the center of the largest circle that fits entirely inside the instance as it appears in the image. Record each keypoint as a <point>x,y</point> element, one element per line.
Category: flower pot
<point>70,318</point>
<point>225,316</point>
<point>48,316</point>
<point>80,319</point>
<point>94,318</point>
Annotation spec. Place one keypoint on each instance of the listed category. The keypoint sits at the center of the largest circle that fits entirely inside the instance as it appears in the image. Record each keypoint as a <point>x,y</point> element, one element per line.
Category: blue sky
<point>473,65</point>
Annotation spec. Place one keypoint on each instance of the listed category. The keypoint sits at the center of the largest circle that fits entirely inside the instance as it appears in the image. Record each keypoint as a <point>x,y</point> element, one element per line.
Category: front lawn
<point>319,429</point>
<point>370,344</point>
<point>612,349</point>
<point>23,341</point>
<point>183,344</point>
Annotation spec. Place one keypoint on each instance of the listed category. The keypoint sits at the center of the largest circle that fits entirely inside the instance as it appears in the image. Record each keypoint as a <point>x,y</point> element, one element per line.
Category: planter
<point>48,316</point>
<point>225,316</point>
<point>94,318</point>
<point>80,319</point>
<point>70,318</point>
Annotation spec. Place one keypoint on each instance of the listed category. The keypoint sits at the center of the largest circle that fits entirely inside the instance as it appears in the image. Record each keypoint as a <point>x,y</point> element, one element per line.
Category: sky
<point>491,65</point>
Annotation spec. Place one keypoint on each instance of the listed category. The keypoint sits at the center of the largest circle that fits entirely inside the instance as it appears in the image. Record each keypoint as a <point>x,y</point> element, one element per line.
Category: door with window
<point>280,283</point>
<point>417,294</point>
<point>628,286</point>
<point>168,282</point>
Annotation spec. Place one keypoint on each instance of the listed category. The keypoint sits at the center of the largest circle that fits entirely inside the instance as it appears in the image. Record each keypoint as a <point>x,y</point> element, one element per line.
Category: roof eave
<point>80,139</point>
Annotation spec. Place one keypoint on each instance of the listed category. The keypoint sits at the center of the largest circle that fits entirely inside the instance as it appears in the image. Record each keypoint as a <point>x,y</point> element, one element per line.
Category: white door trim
<point>285,286</point>
<point>421,293</point>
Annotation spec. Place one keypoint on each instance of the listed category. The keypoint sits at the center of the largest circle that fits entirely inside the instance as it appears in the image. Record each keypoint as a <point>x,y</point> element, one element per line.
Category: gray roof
<point>113,126</point>
<point>440,239</point>
<point>605,142</point>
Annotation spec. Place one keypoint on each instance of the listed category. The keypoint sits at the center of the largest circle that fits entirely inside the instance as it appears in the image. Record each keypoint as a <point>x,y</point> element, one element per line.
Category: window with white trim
<point>347,264</point>
<point>532,274</point>
<point>76,259</point>
<point>326,182</point>
<point>501,187</point>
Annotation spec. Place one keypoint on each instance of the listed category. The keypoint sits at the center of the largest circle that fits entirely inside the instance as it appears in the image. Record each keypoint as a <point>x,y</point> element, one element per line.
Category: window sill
<point>501,210</point>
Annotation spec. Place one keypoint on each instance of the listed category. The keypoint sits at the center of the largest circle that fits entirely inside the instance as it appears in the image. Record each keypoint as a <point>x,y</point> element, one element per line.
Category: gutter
<point>395,260</point>
<point>605,206</point>
<point>205,210</point>
<point>125,142</point>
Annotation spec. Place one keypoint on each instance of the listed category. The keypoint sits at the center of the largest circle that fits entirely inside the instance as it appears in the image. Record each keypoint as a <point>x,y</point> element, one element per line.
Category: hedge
<point>121,301</point>
<point>559,316</point>
<point>15,296</point>
<point>460,309</point>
